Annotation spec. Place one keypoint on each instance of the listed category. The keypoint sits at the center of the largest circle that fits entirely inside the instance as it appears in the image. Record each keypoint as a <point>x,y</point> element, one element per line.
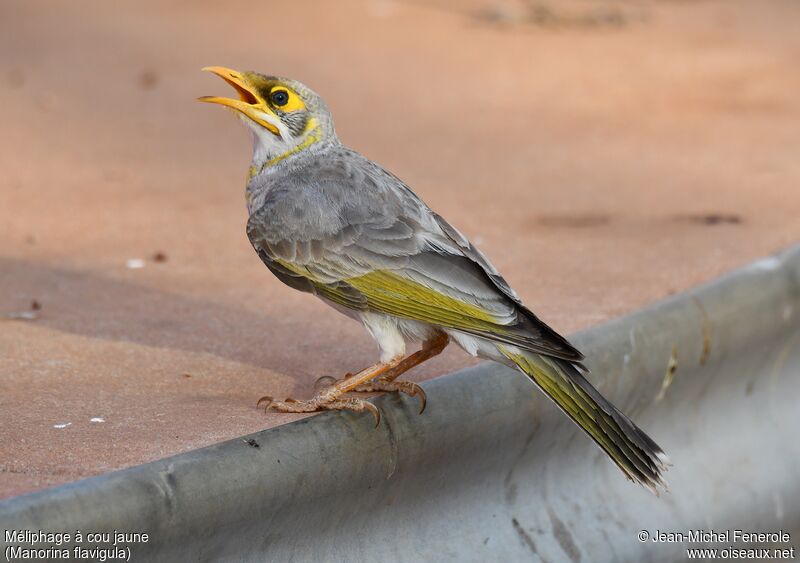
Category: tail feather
<point>630,448</point>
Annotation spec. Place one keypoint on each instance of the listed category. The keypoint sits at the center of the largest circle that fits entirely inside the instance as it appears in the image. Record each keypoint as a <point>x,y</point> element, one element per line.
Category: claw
<point>290,400</point>
<point>265,399</point>
<point>376,412</point>
<point>417,391</point>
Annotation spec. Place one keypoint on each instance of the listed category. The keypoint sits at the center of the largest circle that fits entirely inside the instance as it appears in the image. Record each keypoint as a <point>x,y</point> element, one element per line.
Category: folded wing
<point>400,259</point>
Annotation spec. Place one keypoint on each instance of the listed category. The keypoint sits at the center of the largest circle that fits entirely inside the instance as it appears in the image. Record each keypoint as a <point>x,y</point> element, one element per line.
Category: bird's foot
<point>384,385</point>
<point>324,401</point>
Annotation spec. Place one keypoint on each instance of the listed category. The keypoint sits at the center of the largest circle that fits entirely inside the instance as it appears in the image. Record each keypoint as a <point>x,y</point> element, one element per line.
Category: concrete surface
<point>601,165</point>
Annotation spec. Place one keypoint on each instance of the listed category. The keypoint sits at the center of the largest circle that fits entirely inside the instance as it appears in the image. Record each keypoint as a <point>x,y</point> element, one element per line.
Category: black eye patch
<point>279,97</point>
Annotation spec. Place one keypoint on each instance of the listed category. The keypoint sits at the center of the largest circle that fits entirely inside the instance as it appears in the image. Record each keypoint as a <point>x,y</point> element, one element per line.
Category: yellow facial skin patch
<point>294,103</point>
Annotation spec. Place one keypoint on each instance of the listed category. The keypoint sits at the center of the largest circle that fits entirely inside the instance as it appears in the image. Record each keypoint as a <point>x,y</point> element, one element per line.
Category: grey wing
<point>350,219</point>
<point>536,325</point>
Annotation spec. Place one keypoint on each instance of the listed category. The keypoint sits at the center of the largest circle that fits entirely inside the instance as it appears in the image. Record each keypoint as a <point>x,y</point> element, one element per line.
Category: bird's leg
<point>387,383</point>
<point>430,348</point>
<point>330,398</point>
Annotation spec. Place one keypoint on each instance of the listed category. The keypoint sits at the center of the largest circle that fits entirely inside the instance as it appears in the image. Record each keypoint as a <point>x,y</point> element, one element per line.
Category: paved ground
<point>604,155</point>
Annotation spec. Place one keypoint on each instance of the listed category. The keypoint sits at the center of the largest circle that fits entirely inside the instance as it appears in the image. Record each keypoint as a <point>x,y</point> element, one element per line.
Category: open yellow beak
<point>249,103</point>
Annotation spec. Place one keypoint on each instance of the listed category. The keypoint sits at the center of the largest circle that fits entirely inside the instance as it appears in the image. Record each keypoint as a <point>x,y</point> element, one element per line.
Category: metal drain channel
<point>492,470</point>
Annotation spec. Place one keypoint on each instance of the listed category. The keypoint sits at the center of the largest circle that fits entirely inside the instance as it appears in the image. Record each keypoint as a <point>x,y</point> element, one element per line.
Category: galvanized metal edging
<point>492,470</point>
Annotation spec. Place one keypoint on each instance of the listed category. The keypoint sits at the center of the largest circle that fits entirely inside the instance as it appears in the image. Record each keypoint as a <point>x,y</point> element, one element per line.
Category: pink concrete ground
<point>604,155</point>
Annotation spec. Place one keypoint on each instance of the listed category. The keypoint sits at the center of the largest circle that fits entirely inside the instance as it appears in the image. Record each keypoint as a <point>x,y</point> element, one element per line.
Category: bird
<point>328,221</point>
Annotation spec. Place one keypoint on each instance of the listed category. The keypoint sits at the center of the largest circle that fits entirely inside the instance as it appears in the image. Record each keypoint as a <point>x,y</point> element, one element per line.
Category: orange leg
<point>331,398</point>
<point>387,383</point>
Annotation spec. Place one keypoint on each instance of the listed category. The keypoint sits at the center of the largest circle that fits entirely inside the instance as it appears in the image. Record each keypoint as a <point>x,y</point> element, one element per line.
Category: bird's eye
<point>279,97</point>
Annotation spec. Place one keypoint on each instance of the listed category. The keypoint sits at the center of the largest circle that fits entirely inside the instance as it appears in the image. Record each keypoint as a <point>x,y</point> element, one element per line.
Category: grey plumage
<point>358,218</point>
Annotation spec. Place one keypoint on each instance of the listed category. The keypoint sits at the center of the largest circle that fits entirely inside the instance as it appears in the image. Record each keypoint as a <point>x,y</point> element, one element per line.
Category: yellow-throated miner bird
<point>327,220</point>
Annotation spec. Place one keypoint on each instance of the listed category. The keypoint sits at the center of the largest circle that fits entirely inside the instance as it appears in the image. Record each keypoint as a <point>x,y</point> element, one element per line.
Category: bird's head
<point>284,115</point>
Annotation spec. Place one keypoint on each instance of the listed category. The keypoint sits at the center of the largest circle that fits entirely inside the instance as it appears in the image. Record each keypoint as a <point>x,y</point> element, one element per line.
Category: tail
<point>631,449</point>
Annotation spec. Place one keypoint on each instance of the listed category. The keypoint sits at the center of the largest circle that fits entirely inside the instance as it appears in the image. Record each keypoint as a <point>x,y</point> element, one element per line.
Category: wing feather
<point>376,246</point>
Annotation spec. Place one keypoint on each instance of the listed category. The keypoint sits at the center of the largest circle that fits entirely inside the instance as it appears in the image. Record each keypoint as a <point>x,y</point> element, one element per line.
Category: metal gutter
<point>492,470</point>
